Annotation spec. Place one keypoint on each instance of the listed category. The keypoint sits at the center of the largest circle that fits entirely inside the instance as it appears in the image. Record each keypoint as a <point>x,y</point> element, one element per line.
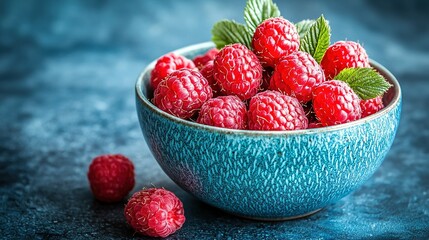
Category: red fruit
<point>201,60</point>
<point>207,72</point>
<point>155,212</point>
<point>224,111</point>
<point>272,110</point>
<point>111,177</point>
<point>296,75</point>
<point>273,39</point>
<point>371,106</point>
<point>237,71</point>
<point>182,93</point>
<point>334,102</point>
<point>166,65</point>
<point>343,54</point>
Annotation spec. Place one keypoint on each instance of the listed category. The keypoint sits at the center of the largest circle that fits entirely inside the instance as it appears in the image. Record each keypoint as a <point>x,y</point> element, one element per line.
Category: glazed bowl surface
<point>269,175</point>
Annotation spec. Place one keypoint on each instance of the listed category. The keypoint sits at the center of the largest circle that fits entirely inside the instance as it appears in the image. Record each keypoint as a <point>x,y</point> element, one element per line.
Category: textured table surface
<point>67,72</point>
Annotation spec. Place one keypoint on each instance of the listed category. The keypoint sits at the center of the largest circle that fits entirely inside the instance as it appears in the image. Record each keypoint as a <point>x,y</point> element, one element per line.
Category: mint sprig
<point>316,39</point>
<point>256,11</point>
<point>303,26</point>
<point>367,83</point>
<point>227,32</point>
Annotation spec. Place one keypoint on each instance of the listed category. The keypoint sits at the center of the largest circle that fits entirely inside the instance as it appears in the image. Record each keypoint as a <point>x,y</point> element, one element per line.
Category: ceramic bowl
<point>269,175</point>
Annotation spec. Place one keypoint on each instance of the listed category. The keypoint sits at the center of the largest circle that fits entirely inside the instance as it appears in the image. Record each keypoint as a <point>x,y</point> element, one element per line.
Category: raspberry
<point>201,60</point>
<point>296,75</point>
<point>224,111</point>
<point>182,93</point>
<point>334,102</point>
<point>272,110</point>
<point>166,65</point>
<point>207,72</point>
<point>155,212</point>
<point>273,39</point>
<point>343,54</point>
<point>371,106</point>
<point>237,71</point>
<point>111,177</point>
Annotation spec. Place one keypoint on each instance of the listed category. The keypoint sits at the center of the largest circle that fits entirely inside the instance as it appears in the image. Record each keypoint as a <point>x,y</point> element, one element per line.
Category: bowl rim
<point>148,104</point>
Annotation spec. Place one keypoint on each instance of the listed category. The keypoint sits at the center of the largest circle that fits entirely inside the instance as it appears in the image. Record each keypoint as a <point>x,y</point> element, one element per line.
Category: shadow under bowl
<point>267,175</point>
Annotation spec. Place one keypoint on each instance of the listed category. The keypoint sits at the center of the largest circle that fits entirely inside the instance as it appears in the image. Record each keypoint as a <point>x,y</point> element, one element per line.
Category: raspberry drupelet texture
<point>224,111</point>
<point>272,110</point>
<point>371,106</point>
<point>168,64</point>
<point>334,102</point>
<point>111,177</point>
<point>155,212</point>
<point>343,54</point>
<point>201,60</point>
<point>182,93</point>
<point>207,72</point>
<point>237,71</point>
<point>273,39</point>
<point>296,75</point>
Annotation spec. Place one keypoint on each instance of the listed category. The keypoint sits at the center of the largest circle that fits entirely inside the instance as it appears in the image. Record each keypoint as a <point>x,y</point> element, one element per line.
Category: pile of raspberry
<point>273,86</point>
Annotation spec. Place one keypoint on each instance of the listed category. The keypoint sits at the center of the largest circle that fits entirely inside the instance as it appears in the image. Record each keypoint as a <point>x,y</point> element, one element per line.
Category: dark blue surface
<point>67,74</point>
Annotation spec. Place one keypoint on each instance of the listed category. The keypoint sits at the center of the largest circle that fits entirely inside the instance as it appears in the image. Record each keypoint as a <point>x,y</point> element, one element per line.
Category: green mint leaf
<point>256,11</point>
<point>317,39</point>
<point>227,32</point>
<point>303,26</point>
<point>367,83</point>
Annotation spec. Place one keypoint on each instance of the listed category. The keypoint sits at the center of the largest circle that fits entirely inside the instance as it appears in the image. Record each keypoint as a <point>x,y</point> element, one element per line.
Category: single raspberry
<point>371,106</point>
<point>168,64</point>
<point>111,177</point>
<point>155,212</point>
<point>334,102</point>
<point>296,75</point>
<point>182,93</point>
<point>201,60</point>
<point>343,54</point>
<point>207,72</point>
<point>273,39</point>
<point>237,71</point>
<point>272,110</point>
<point>224,111</point>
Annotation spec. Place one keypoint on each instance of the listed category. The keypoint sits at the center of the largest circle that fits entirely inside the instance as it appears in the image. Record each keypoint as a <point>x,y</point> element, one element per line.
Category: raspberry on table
<point>343,54</point>
<point>111,177</point>
<point>155,212</point>
<point>224,111</point>
<point>182,93</point>
<point>371,106</point>
<point>201,60</point>
<point>334,102</point>
<point>237,71</point>
<point>168,64</point>
<point>272,110</point>
<point>296,75</point>
<point>273,39</point>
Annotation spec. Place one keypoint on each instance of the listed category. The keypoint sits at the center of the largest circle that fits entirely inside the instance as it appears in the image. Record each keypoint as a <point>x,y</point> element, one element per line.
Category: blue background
<point>67,74</point>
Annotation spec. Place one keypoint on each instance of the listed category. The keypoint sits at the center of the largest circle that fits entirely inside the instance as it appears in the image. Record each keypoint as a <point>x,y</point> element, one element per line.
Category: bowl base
<point>281,218</point>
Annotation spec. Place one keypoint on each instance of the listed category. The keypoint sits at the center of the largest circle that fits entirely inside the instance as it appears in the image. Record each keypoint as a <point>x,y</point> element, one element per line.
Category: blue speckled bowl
<point>269,175</point>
